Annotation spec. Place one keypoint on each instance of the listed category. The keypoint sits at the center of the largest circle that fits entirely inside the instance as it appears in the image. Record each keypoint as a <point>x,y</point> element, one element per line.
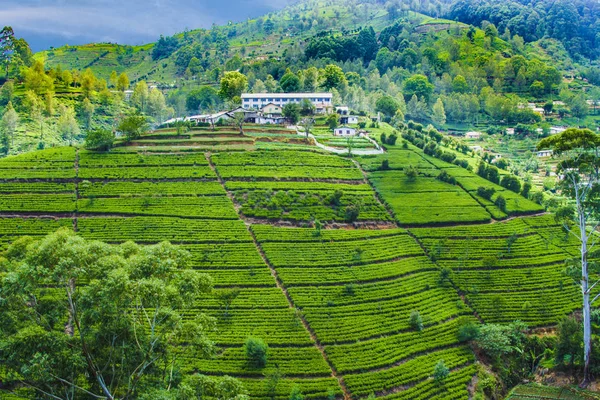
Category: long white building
<point>323,102</point>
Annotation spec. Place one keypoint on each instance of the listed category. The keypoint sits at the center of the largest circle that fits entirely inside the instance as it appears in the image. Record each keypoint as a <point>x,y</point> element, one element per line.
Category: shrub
<point>352,212</point>
<point>486,193</point>
<point>296,394</point>
<point>101,140</point>
<point>256,352</point>
<point>391,140</point>
<point>383,138</point>
<point>440,371</point>
<point>501,203</point>
<point>526,189</point>
<point>468,331</point>
<point>349,289</point>
<point>445,177</point>
<point>411,173</point>
<point>385,165</point>
<point>511,183</point>
<point>415,321</point>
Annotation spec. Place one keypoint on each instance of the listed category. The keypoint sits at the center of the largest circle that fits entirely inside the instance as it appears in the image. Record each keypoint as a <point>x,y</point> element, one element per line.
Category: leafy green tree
<point>311,79</point>
<point>578,154</point>
<point>415,321</point>
<point>139,97</point>
<point>537,89</point>
<point>7,47</point>
<point>387,105</point>
<point>8,126</point>
<point>123,82</point>
<point>256,352</point>
<point>291,111</point>
<point>98,321</point>
<point>226,297</point>
<point>411,172</point>
<point>7,93</point>
<point>500,203</point>
<point>67,124</point>
<point>440,372</point>
<point>333,77</point>
<point>459,84</point>
<point>36,79</point>
<point>511,182</point>
<point>307,108</point>
<point>418,85</point>
<point>332,121</point>
<point>233,84</point>
<point>202,98</point>
<point>439,114</point>
<point>238,121</point>
<point>133,126</point>
<point>87,109</point>
<point>113,80</point>
<point>99,140</point>
<point>569,341</point>
<point>290,82</point>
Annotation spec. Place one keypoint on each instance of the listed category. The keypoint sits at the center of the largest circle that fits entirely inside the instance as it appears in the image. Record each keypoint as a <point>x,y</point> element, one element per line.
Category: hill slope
<point>333,304</point>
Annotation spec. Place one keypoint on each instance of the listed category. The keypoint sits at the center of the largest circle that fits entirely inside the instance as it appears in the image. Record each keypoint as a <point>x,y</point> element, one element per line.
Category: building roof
<point>345,127</point>
<point>284,95</point>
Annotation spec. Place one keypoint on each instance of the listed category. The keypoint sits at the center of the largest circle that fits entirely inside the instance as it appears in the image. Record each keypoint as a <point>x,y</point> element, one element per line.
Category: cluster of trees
<point>573,23</point>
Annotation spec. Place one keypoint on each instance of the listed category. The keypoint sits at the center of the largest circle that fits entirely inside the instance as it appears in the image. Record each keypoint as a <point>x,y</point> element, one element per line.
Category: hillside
<point>335,304</point>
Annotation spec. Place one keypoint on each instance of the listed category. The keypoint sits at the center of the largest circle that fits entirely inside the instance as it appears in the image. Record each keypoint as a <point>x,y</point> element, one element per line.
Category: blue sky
<point>45,23</point>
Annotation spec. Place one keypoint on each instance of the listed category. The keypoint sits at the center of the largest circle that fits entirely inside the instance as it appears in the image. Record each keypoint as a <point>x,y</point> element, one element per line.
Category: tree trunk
<point>587,320</point>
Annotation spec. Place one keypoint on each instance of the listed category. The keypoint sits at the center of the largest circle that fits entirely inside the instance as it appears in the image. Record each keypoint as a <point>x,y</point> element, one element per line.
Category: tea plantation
<point>331,291</point>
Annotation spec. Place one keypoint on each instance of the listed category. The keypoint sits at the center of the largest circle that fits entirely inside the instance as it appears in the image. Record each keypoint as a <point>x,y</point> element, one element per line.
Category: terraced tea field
<point>333,303</point>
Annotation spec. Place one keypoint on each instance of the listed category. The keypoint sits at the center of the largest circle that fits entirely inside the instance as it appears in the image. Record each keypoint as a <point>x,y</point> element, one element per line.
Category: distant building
<point>545,153</point>
<point>555,130</point>
<point>323,102</point>
<point>342,110</point>
<point>344,131</point>
<point>510,131</point>
<point>348,119</point>
<point>473,135</point>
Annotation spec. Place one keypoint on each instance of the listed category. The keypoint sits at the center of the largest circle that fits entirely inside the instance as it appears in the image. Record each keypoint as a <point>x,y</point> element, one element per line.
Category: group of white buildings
<point>267,108</point>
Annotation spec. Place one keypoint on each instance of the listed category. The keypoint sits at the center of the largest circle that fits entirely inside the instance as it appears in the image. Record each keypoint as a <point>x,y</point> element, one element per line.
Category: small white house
<point>342,110</point>
<point>344,131</point>
<point>510,131</point>
<point>473,135</point>
<point>555,130</point>
<point>544,153</point>
<point>348,119</point>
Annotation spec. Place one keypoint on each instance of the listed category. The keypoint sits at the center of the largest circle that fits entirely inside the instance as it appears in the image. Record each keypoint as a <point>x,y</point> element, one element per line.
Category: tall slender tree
<point>578,151</point>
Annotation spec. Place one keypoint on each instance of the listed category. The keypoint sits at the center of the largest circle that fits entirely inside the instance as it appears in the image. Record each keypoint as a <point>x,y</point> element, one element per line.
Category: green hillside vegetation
<point>344,310</point>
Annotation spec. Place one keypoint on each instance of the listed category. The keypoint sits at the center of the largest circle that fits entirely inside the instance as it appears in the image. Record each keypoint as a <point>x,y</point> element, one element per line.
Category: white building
<point>473,135</point>
<point>510,131</point>
<point>348,119</point>
<point>323,102</point>
<point>545,153</point>
<point>555,130</point>
<point>344,131</point>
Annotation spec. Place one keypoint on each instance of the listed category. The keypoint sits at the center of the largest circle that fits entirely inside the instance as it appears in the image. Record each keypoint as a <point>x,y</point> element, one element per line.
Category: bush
<point>411,173</point>
<point>385,165</point>
<point>501,203</point>
<point>352,212</point>
<point>468,331</point>
<point>440,371</point>
<point>415,321</point>
<point>100,140</point>
<point>391,140</point>
<point>256,352</point>
<point>511,182</point>
<point>445,177</point>
<point>296,394</point>
<point>486,193</point>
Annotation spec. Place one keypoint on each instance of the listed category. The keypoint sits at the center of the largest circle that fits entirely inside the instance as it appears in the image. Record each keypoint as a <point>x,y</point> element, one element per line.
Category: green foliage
<point>133,127</point>
<point>292,112</point>
<point>468,331</point>
<point>296,394</point>
<point>387,105</point>
<point>256,352</point>
<point>232,85</point>
<point>333,121</point>
<point>418,85</point>
<point>440,372</point>
<point>569,344</point>
<point>500,340</point>
<point>69,342</point>
<point>415,321</point>
<point>99,139</point>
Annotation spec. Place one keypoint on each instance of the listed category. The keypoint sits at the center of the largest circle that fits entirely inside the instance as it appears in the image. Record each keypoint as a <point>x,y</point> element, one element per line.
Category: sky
<point>46,23</point>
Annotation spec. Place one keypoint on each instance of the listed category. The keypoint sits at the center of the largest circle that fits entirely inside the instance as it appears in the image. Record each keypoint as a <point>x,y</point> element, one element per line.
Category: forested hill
<point>575,23</point>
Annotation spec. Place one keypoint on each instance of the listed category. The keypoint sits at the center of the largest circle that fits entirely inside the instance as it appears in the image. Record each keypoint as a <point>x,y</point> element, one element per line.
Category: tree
<point>411,173</point>
<point>332,121</point>
<point>440,372</point>
<point>311,79</point>
<point>123,82</point>
<point>569,340</point>
<point>157,105</point>
<point>500,203</point>
<point>290,82</point>
<point>233,84</point>
<point>418,85</point>
<point>133,126</point>
<point>226,297</point>
<point>88,82</point>
<point>256,352</point>
<point>114,79</point>
<point>387,105</point>
<point>10,120</point>
<point>537,89</point>
<point>238,121</point>
<point>459,84</point>
<point>307,107</point>
<point>139,97</point>
<point>578,152</point>
<point>415,321</point>
<point>67,124</point>
<point>7,47</point>
<point>439,114</point>
<point>307,124</point>
<point>7,93</point>
<point>548,107</point>
<point>202,98</point>
<point>87,108</point>
<point>36,80</point>
<point>291,111</point>
<point>113,323</point>
<point>333,77</point>
<point>99,140</point>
